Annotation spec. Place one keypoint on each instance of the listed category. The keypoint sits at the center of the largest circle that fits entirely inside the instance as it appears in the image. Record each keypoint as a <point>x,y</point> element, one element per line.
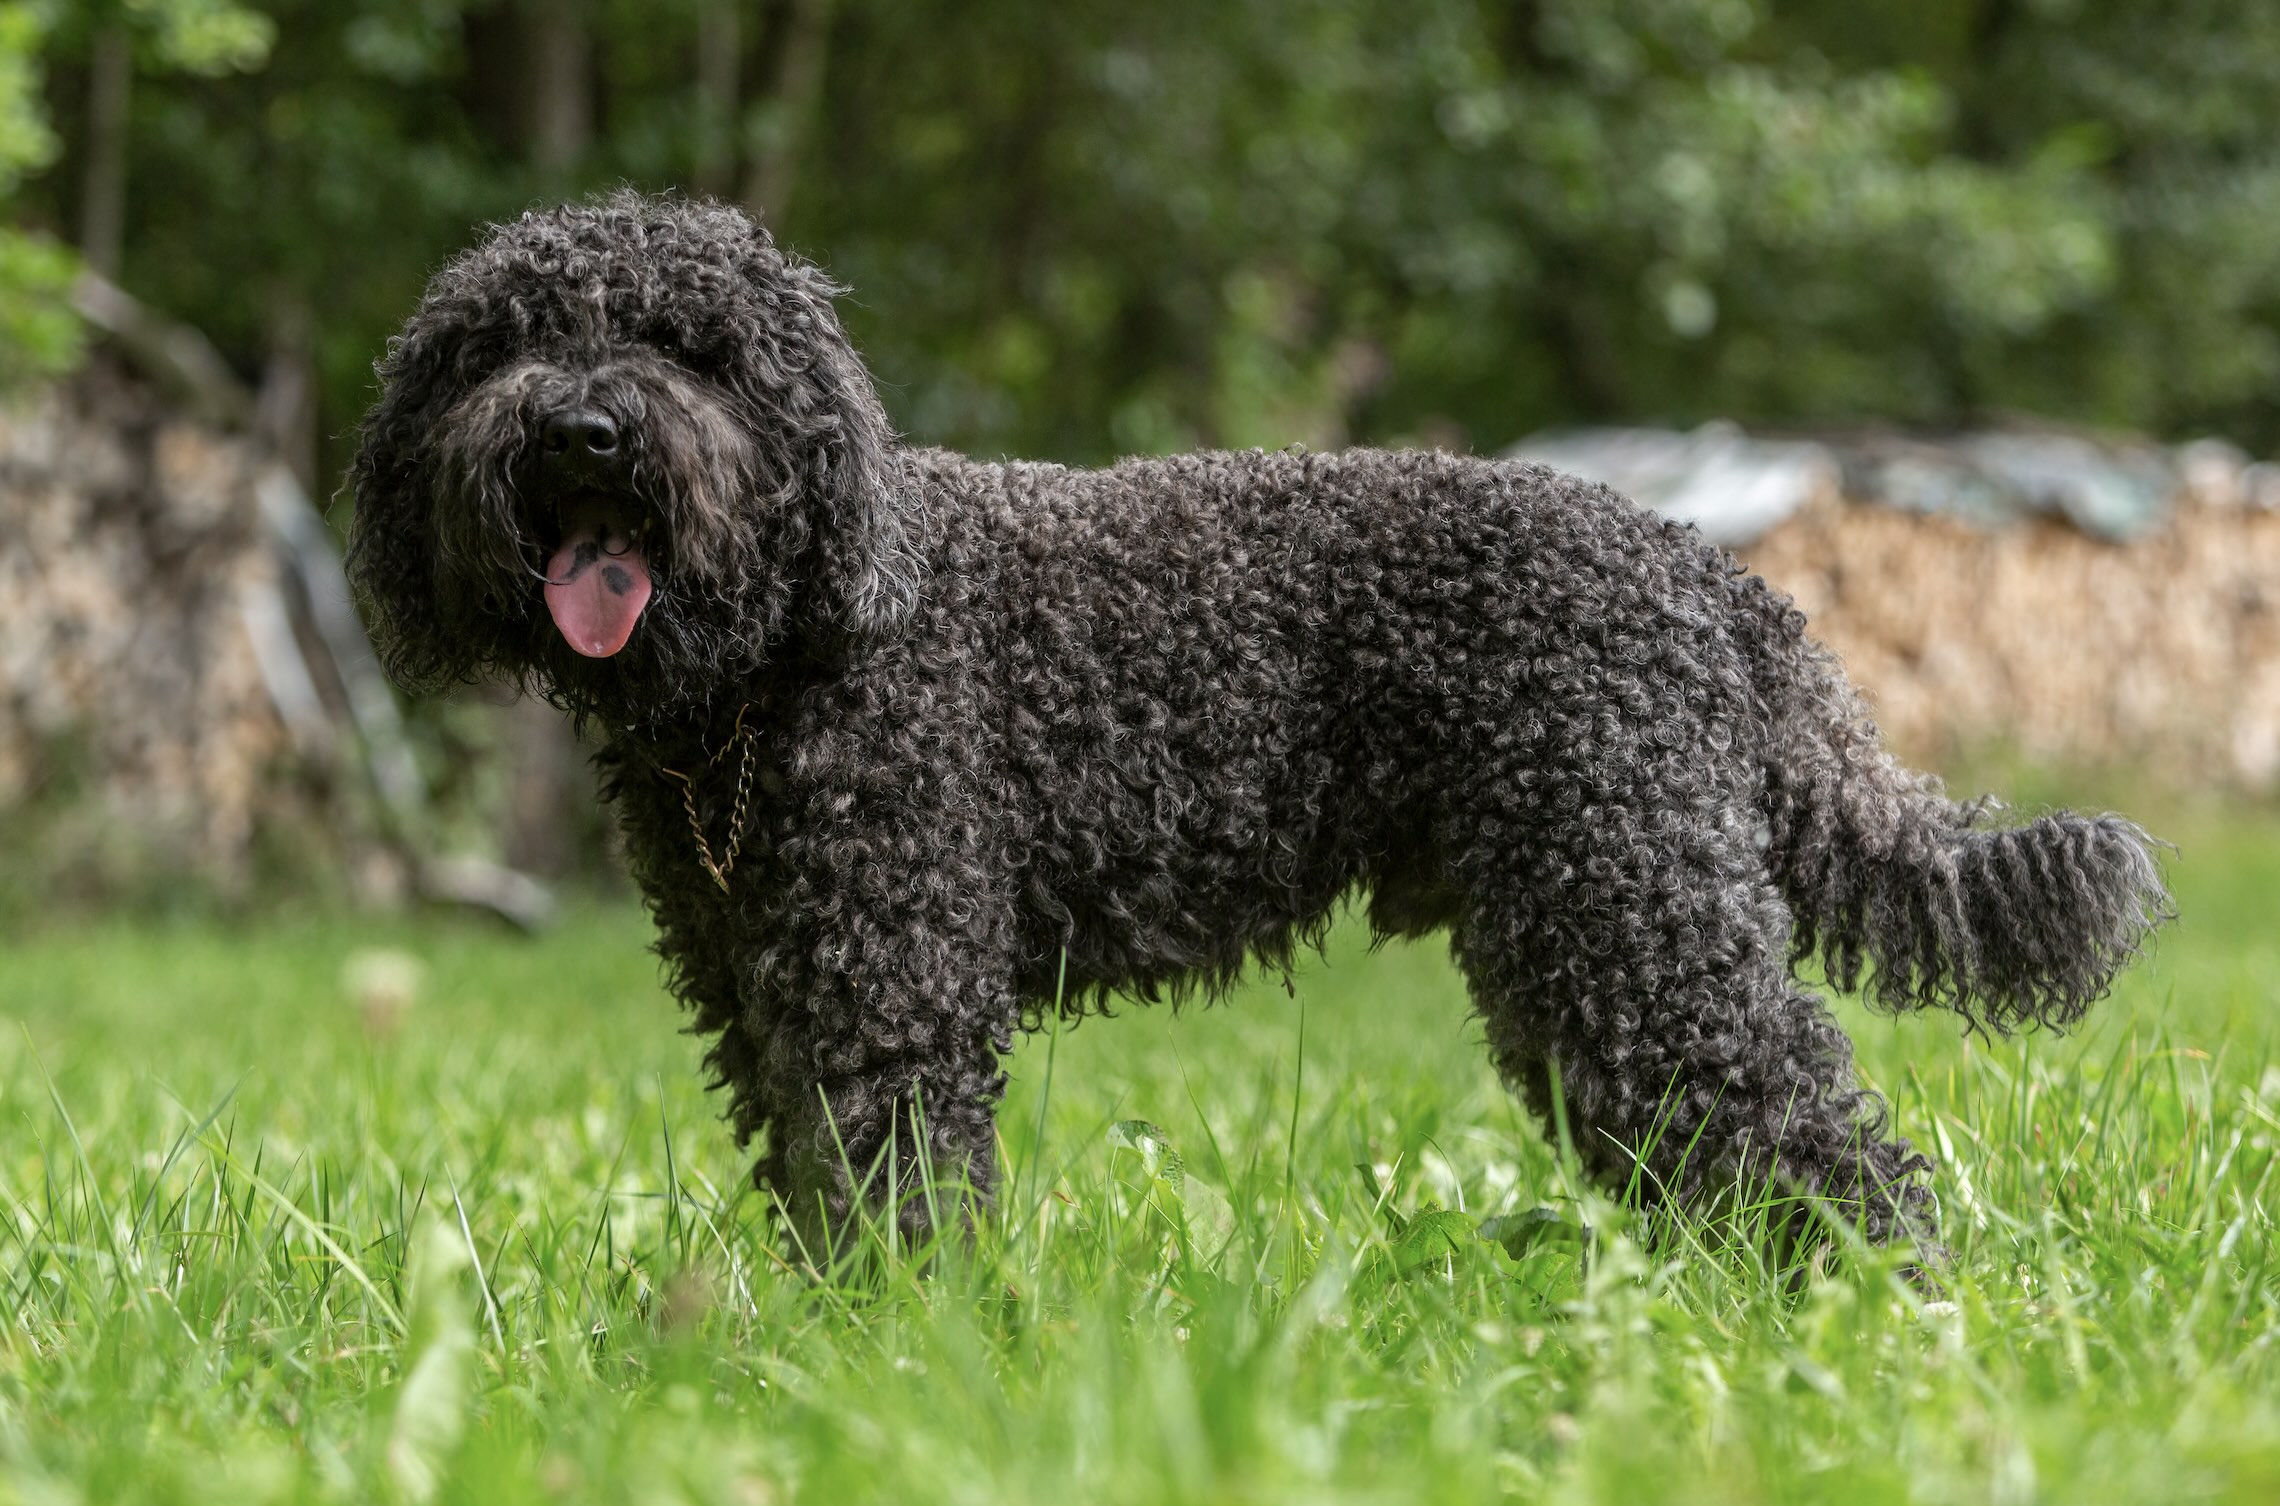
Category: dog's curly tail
<point>1927,901</point>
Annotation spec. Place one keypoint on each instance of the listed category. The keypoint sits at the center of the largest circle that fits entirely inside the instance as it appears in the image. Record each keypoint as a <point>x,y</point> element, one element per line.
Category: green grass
<point>241,1221</point>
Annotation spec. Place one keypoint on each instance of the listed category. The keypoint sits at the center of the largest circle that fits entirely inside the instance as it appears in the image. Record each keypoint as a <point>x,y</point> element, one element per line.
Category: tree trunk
<point>794,88</point>
<point>719,40</point>
<point>560,123</point>
<point>103,189</point>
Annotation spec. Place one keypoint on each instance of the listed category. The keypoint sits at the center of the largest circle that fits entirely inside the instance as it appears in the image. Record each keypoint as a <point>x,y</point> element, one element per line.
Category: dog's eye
<point>707,362</point>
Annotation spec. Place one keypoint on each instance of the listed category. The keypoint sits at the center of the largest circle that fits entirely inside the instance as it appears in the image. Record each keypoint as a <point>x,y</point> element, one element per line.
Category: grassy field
<point>267,1232</point>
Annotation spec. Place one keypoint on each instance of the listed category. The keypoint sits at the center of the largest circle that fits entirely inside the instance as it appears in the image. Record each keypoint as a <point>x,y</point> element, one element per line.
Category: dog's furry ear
<point>867,562</point>
<point>862,555</point>
<point>391,546</point>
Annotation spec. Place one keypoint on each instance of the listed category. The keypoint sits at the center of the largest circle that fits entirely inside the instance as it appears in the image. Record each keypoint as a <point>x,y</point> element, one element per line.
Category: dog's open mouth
<point>597,582</point>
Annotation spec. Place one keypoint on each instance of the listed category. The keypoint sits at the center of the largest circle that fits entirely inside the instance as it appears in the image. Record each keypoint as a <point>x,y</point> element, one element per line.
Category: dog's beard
<point>643,573</point>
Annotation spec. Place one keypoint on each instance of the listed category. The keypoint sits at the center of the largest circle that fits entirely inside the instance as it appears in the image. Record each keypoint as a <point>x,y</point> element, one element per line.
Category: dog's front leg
<point>904,1138</point>
<point>880,1054</point>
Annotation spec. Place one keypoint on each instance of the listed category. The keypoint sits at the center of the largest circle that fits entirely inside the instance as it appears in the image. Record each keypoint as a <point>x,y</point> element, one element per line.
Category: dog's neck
<point>692,733</point>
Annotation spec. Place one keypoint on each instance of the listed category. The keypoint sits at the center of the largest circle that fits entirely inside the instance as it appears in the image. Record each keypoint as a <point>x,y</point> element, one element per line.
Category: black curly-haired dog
<point>904,742</point>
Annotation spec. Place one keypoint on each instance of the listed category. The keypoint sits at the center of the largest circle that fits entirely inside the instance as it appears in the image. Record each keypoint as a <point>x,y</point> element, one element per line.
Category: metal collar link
<point>748,739</point>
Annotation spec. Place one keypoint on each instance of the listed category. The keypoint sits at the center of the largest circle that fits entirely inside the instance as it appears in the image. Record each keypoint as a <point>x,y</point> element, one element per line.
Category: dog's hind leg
<point>1639,955</point>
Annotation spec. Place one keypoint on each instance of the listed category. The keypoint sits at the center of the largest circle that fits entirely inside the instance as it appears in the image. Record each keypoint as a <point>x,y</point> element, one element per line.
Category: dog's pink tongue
<point>596,585</point>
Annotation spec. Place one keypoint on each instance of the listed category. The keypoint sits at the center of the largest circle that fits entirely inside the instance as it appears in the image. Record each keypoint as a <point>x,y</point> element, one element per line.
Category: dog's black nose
<point>576,434</point>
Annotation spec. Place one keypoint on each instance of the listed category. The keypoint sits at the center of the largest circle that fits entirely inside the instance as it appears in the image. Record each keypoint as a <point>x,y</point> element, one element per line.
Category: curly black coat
<point>1148,722</point>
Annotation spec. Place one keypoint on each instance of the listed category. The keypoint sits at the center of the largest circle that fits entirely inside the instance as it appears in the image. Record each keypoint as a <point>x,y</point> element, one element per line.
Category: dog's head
<point>622,452</point>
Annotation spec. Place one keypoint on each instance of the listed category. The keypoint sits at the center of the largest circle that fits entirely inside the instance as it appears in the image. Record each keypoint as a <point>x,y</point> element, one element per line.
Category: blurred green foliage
<point>1078,228</point>
<point>37,332</point>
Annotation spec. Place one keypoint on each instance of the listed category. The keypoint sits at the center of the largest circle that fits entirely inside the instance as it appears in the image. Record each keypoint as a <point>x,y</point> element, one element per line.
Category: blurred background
<point>1959,319</point>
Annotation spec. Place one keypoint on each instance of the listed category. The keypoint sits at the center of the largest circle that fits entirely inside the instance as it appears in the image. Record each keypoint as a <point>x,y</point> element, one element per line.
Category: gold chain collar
<point>746,738</point>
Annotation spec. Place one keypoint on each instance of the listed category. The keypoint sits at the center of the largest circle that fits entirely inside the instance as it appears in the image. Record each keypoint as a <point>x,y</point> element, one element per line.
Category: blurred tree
<point>1259,220</point>
<point>37,331</point>
<point>1077,228</point>
<point>2176,109</point>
